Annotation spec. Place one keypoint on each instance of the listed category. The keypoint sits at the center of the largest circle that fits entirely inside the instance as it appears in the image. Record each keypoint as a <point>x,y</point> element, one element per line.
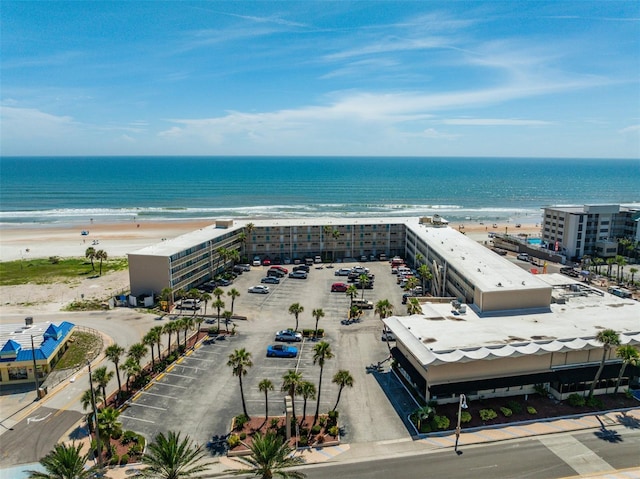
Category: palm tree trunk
<point>624,366</point>
<point>118,376</point>
<point>304,411</point>
<point>597,378</point>
<point>244,405</point>
<point>315,417</point>
<point>266,406</point>
<point>339,393</point>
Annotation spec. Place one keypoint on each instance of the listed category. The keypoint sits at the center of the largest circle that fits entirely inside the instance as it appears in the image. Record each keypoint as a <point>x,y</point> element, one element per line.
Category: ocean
<point>63,190</point>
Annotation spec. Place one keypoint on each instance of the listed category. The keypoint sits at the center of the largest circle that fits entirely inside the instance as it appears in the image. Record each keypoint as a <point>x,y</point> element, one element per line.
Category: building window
<point>17,373</point>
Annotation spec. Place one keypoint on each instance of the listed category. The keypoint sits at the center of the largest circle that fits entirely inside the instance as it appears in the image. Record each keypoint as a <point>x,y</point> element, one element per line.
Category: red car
<point>339,287</point>
<point>266,262</point>
<point>281,268</point>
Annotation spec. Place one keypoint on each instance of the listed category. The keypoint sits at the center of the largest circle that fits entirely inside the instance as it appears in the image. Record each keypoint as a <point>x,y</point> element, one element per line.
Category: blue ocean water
<point>68,189</point>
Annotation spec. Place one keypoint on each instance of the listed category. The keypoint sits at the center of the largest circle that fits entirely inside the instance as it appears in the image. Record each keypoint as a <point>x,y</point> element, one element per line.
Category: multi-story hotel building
<point>500,331</point>
<point>594,230</point>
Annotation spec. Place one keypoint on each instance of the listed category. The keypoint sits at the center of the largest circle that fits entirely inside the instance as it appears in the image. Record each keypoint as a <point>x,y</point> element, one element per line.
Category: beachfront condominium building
<point>594,230</point>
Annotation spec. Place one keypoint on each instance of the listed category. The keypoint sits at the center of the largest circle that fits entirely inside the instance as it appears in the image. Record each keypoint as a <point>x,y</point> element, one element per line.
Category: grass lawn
<point>82,345</point>
<point>54,270</point>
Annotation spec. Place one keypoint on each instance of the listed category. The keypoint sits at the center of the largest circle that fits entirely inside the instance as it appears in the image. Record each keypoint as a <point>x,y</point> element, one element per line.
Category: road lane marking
<point>137,419</point>
<point>150,407</point>
<point>181,376</point>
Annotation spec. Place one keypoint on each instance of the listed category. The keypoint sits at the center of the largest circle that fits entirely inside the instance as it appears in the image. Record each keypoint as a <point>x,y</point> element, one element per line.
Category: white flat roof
<point>440,336</point>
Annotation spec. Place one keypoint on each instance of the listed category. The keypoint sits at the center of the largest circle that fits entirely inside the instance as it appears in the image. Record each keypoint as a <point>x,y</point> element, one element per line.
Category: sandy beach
<point>119,239</point>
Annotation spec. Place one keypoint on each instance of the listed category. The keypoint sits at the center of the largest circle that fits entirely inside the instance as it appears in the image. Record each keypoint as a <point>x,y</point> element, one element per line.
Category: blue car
<point>281,351</point>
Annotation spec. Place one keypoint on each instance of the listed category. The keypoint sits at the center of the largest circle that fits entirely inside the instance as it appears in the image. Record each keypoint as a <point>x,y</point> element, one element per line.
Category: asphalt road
<point>529,458</point>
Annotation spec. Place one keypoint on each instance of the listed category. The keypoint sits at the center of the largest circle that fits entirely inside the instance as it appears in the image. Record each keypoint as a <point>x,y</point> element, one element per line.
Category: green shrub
<point>315,429</point>
<point>628,393</point>
<point>515,406</point>
<point>303,441</point>
<point>506,411</point>
<point>240,421</point>
<point>243,436</point>
<point>334,431</point>
<point>540,389</point>
<point>274,422</point>
<point>594,402</point>
<point>441,422</point>
<point>322,421</point>
<point>576,400</point>
<point>425,427</point>
<point>531,410</point>
<point>487,414</point>
<point>233,441</point>
<point>333,415</point>
<point>124,459</point>
<point>128,436</point>
<point>465,417</point>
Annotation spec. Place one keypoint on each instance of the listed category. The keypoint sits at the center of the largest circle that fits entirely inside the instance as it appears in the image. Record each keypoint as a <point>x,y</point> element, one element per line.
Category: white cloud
<point>495,122</point>
<point>631,129</point>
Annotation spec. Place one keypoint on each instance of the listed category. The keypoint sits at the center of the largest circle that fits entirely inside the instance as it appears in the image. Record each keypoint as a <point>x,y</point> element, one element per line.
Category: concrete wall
<point>148,274</point>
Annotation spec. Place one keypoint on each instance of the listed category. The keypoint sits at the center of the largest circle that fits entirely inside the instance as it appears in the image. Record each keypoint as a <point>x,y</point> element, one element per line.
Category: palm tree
<point>610,263</point>
<point>411,283</point>
<point>414,306</point>
<point>354,312</point>
<point>317,313</point>
<point>131,368</point>
<point>629,355</point>
<point>91,254</point>
<point>114,352</point>
<point>383,308</point>
<point>169,457</point>
<point>620,262</point>
<point>597,262</point>
<point>418,259</point>
<point>187,324</point>
<point>425,275</point>
<point>158,332</point>
<point>633,272</point>
<point>137,351</point>
<point>64,462</point>
<point>265,386</point>
<point>86,400</point>
<point>242,237</point>
<point>364,282</point>
<point>321,352</point>
<point>335,234</point>
<point>307,390</point>
<point>290,383</point>
<point>352,292</point>
<point>218,293</point>
<point>102,378</point>
<point>167,295</point>
<point>342,378</point>
<point>151,339</point>
<point>102,256</point>
<point>218,304</point>
<point>227,315</point>
<point>233,293</point>
<point>249,227</point>
<point>239,362</point>
<point>168,329</point>
<point>108,425</point>
<point>270,456</point>
<point>205,298</point>
<point>608,338</point>
<point>296,309</point>
<point>421,414</point>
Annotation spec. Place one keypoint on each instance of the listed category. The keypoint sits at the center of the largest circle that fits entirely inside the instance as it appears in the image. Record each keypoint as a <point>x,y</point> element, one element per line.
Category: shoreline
<point>118,239</point>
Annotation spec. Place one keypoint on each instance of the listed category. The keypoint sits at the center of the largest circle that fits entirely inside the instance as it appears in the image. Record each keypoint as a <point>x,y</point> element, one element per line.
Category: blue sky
<point>421,78</point>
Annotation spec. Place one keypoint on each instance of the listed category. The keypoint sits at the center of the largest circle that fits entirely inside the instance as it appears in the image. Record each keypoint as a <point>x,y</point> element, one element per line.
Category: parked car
<point>342,272</point>
<point>245,267</point>
<point>266,262</point>
<point>523,256</point>
<point>302,267</point>
<point>259,288</point>
<point>288,336</point>
<point>256,261</point>
<point>367,285</point>
<point>339,287</point>
<point>280,268</point>
<point>362,303</point>
<point>388,335</point>
<point>298,275</point>
<point>276,273</point>
<point>270,280</point>
<point>223,282</point>
<point>208,287</point>
<point>281,351</point>
<point>237,269</point>
<point>189,304</point>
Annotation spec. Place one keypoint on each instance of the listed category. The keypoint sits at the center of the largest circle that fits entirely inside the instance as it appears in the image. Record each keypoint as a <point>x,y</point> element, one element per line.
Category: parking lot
<point>199,395</point>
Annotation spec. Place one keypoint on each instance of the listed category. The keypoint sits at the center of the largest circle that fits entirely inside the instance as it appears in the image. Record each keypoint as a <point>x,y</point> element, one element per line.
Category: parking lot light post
<point>462,404</point>
<point>35,368</point>
<point>288,408</point>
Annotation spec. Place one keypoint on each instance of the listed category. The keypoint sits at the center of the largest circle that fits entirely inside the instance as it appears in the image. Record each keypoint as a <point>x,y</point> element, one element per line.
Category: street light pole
<point>35,367</point>
<point>95,418</point>
<point>461,404</point>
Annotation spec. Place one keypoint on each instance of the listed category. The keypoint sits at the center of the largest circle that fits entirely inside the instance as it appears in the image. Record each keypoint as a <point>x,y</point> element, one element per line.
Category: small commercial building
<point>23,345</point>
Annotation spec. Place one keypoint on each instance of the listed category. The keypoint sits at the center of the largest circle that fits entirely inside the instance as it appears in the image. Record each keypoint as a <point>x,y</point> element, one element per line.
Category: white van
<point>363,303</point>
<point>190,304</point>
<point>523,256</point>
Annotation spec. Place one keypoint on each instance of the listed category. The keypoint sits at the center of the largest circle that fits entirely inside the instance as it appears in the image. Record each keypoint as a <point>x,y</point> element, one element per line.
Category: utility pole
<point>35,368</point>
<point>95,418</point>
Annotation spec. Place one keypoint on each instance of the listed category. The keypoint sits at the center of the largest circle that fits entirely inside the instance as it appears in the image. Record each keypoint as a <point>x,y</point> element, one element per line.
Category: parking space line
<point>191,367</point>
<point>205,360</point>
<point>136,419</point>
<point>150,407</point>
<point>181,376</point>
<point>160,395</point>
<point>172,385</point>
